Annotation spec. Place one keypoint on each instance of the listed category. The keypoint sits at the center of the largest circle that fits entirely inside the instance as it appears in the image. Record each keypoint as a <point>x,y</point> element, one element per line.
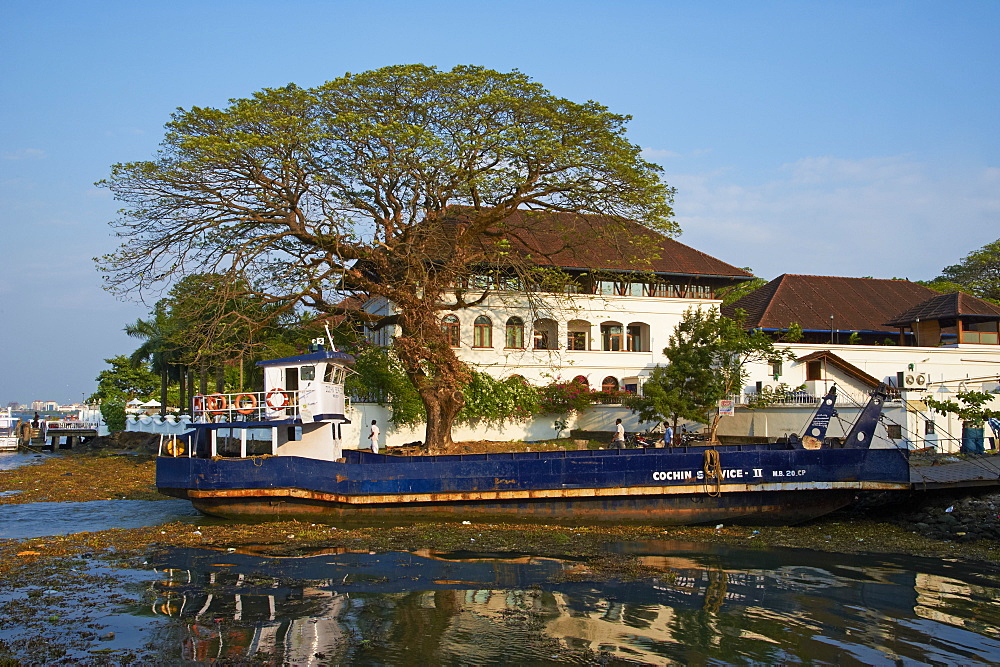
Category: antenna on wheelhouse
<point>329,337</point>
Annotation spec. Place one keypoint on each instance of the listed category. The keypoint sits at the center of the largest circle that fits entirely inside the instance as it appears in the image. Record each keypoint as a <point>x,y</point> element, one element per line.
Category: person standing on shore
<point>373,436</point>
<point>668,436</point>
<point>618,442</point>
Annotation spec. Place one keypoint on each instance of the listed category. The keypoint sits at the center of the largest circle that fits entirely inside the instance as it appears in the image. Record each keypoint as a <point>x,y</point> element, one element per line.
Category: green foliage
<point>498,401</point>
<point>664,399</point>
<point>978,273</point>
<point>734,293</point>
<point>381,378</point>
<point>793,334</point>
<point>970,407</point>
<point>114,415</point>
<point>854,338</point>
<point>124,381</point>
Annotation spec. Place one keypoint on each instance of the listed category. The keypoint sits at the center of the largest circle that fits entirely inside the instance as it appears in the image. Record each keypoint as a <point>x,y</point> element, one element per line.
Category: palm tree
<point>157,349</point>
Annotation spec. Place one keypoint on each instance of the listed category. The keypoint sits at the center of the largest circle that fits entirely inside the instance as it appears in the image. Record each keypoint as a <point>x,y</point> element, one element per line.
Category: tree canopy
<point>302,196</point>
<point>978,274</point>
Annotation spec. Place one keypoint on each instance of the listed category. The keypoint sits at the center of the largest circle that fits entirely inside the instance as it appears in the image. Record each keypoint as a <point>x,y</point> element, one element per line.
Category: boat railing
<point>249,406</point>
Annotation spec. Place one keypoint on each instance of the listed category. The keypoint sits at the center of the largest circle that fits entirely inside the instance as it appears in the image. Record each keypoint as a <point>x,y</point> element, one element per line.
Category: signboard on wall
<point>727,408</point>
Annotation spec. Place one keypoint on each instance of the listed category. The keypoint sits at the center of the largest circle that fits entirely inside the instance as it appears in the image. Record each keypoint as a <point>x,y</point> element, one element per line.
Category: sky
<point>838,138</point>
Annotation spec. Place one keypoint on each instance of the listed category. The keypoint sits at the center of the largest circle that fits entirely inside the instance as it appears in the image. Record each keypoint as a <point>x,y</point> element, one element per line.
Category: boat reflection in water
<point>686,603</point>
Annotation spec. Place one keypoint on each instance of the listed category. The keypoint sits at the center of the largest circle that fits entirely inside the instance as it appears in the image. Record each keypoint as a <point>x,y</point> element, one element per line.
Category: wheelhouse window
<point>482,332</point>
<point>452,330</point>
<point>515,333</point>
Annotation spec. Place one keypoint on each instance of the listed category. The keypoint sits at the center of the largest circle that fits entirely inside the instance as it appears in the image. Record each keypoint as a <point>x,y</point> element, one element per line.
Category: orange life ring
<point>276,399</point>
<point>215,404</point>
<point>245,404</point>
<point>199,403</point>
<point>174,448</point>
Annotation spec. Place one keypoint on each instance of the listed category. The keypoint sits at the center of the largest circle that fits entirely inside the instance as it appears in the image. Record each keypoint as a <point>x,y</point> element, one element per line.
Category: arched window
<point>452,330</point>
<point>610,384</point>
<point>613,336</point>
<point>577,335</point>
<point>545,334</point>
<point>482,332</point>
<point>582,379</point>
<point>635,337</point>
<point>515,333</point>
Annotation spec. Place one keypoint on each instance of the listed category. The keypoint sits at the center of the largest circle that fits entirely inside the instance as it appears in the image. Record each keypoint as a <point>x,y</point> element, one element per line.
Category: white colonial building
<point>609,323</point>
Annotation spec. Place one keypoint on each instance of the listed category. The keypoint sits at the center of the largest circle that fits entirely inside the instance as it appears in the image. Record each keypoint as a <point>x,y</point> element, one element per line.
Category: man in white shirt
<point>373,436</point>
<point>618,442</point>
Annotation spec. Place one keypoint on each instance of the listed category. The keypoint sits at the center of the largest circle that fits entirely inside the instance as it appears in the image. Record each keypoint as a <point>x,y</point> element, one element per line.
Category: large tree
<point>978,273</point>
<point>306,193</point>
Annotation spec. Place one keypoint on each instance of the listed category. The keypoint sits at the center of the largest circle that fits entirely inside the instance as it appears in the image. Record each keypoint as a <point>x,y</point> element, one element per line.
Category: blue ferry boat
<point>279,454</point>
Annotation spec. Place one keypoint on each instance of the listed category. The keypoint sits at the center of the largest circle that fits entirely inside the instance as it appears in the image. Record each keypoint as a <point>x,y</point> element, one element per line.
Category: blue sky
<point>826,138</point>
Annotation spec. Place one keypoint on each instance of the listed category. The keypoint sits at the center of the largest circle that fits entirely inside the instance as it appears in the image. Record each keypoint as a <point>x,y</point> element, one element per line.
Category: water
<point>10,460</point>
<point>41,519</point>
<point>693,603</point>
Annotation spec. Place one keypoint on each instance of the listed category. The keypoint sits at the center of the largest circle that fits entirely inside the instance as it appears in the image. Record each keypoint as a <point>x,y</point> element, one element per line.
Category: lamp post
<point>831,329</point>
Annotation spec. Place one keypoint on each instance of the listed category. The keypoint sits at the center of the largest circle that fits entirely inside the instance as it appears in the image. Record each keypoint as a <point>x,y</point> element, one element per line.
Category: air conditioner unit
<point>912,379</point>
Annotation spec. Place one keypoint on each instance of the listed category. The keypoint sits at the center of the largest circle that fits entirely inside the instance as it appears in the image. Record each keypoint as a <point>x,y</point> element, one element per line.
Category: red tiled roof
<point>857,304</point>
<point>561,239</point>
<point>945,306</point>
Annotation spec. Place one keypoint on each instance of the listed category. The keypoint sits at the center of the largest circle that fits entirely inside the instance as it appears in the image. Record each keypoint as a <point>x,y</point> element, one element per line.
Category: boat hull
<point>758,485</point>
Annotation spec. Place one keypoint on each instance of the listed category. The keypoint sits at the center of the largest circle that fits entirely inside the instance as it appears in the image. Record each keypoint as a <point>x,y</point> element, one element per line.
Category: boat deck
<point>983,470</point>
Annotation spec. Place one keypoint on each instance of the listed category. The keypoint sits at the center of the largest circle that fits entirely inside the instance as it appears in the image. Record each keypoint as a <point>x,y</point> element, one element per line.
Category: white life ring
<point>276,399</point>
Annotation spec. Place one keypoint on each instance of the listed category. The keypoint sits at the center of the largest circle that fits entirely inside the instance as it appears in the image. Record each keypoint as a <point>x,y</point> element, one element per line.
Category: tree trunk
<point>435,371</point>
<point>713,428</point>
<point>442,406</point>
<point>163,391</point>
<point>182,390</point>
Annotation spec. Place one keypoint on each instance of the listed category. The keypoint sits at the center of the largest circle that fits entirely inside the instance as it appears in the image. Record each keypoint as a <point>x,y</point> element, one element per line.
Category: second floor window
<point>613,337</point>
<point>451,329</point>
<point>634,339</point>
<point>482,333</point>
<point>576,340</point>
<point>515,333</point>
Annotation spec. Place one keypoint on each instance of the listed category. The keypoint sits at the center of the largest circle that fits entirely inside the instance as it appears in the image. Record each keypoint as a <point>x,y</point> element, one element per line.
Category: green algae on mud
<point>76,478</point>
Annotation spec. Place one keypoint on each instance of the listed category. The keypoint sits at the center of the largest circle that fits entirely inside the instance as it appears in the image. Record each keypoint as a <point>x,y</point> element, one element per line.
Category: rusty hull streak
<point>698,489</point>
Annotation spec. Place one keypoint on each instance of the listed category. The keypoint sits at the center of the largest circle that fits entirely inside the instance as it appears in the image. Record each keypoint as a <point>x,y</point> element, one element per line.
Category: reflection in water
<point>700,603</point>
